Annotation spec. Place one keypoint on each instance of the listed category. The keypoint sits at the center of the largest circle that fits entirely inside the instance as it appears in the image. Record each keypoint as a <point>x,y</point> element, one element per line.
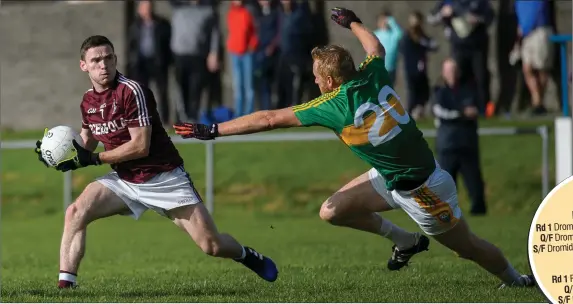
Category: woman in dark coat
<point>414,48</point>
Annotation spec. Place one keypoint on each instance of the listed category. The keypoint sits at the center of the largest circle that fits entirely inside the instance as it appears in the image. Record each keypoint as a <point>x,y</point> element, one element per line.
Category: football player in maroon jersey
<point>147,170</point>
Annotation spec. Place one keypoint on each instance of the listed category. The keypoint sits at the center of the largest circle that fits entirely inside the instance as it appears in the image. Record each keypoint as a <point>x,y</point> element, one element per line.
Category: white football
<point>57,144</point>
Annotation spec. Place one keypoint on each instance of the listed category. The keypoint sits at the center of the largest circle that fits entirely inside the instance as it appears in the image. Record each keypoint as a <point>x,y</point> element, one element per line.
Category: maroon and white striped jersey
<point>127,104</point>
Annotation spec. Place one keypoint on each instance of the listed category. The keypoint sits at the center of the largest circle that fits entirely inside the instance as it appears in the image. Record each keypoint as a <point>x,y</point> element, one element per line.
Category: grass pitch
<point>267,195</point>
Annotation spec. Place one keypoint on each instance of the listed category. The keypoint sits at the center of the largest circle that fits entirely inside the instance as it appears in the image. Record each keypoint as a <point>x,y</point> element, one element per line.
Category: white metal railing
<point>297,136</point>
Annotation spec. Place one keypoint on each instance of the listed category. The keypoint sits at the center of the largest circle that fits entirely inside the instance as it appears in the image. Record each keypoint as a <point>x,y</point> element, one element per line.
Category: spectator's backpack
<point>217,115</point>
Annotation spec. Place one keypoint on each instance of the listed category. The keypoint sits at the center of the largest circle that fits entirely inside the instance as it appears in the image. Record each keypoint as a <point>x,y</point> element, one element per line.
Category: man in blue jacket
<point>295,63</point>
<point>457,143</point>
<point>266,56</point>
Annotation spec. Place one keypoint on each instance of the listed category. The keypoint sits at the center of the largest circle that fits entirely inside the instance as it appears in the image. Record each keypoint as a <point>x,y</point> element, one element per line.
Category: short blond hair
<point>334,61</point>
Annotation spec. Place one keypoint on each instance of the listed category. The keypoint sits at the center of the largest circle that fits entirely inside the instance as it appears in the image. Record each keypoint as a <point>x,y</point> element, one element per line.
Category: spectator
<point>457,144</point>
<point>467,22</point>
<point>507,77</point>
<point>266,56</point>
<point>319,37</point>
<point>195,44</point>
<point>241,44</point>
<point>534,32</point>
<point>389,33</point>
<point>150,53</point>
<point>215,111</point>
<point>295,59</point>
<point>414,47</point>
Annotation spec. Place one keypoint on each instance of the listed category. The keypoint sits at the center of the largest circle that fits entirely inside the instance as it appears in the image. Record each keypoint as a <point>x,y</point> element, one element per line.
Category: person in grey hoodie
<point>195,46</point>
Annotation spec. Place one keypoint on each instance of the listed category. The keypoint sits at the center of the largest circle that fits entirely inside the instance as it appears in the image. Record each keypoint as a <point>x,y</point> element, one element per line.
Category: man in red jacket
<point>241,43</point>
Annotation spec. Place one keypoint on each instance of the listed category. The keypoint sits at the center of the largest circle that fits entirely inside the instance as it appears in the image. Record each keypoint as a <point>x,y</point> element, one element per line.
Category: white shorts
<point>163,192</point>
<point>433,205</point>
<point>537,49</point>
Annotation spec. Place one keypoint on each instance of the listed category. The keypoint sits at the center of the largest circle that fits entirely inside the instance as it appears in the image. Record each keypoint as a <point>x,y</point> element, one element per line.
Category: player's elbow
<point>141,150</point>
<point>270,120</point>
<point>141,142</point>
<point>283,118</point>
<point>377,49</point>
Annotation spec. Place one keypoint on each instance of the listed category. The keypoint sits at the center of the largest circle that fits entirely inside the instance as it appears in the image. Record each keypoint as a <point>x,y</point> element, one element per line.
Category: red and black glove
<point>199,131</point>
<point>344,17</point>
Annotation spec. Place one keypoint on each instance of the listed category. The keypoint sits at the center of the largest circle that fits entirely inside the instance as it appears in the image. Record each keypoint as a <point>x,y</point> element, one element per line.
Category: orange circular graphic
<point>550,245</point>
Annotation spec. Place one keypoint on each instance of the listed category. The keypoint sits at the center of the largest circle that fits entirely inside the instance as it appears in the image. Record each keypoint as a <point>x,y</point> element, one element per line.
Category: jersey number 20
<point>388,117</point>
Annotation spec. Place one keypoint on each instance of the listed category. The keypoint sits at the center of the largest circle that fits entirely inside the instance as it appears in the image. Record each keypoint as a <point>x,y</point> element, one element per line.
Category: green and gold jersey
<point>367,116</point>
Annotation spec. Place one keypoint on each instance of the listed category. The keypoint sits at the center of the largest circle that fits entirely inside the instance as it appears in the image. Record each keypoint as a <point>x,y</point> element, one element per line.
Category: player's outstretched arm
<point>348,19</point>
<point>253,123</point>
<point>260,121</point>
<point>370,43</point>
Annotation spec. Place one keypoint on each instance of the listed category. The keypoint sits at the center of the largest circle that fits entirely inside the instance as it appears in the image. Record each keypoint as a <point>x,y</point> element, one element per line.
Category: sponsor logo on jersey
<point>92,111</point>
<point>108,127</point>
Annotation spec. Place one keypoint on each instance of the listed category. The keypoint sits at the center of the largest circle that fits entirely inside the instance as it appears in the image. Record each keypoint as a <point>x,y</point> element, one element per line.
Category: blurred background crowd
<point>212,60</point>
<point>268,43</point>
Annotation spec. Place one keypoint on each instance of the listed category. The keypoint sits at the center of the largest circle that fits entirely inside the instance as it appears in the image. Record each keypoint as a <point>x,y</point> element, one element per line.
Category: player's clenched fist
<point>199,131</point>
<point>344,17</point>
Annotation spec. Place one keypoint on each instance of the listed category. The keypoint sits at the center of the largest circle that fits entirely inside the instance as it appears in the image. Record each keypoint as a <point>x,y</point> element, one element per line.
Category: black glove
<point>39,151</point>
<point>199,131</point>
<point>344,17</point>
<point>82,159</point>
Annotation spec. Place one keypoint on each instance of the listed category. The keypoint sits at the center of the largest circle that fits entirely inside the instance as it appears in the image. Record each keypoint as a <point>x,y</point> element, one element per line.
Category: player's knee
<point>76,215</point>
<point>211,246</point>
<point>329,213</point>
<point>79,213</point>
<point>325,213</point>
<point>527,69</point>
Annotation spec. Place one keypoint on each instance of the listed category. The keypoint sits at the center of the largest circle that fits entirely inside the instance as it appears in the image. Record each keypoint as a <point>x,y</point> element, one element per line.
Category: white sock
<point>402,238</point>
<point>243,254</point>
<point>510,276</point>
<point>64,276</point>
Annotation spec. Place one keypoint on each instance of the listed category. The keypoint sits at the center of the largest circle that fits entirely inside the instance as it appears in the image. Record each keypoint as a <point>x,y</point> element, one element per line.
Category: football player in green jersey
<point>365,112</point>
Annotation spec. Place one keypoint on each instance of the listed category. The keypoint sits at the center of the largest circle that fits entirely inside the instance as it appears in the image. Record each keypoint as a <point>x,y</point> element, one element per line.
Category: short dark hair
<point>94,41</point>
